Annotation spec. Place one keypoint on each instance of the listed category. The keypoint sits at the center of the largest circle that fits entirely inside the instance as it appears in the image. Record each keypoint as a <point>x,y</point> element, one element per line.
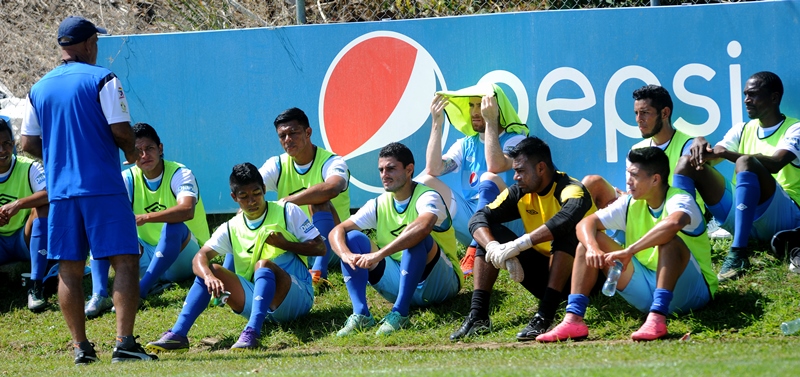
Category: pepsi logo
<point>377,90</point>
<point>473,179</point>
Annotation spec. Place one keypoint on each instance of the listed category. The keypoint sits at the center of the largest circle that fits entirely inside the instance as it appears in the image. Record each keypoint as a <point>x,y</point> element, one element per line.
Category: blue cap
<point>76,29</point>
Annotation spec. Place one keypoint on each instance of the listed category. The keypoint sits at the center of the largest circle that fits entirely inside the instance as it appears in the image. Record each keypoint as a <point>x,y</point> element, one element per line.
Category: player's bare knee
<point>684,166</point>
<point>748,163</point>
<point>326,206</point>
<point>488,176</point>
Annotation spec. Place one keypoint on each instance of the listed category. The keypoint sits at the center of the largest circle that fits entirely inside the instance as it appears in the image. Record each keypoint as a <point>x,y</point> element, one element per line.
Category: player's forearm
<point>311,248</point>
<point>173,215</point>
<point>411,236</point>
<point>201,261</point>
<point>496,160</point>
<point>540,234</point>
<point>38,199</point>
<point>586,231</point>
<point>316,194</point>
<point>32,145</point>
<point>433,154</point>
<point>665,231</point>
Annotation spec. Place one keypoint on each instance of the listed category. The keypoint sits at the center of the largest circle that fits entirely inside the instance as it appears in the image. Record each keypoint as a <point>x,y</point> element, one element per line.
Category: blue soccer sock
<point>167,252</point>
<point>100,276</point>
<point>324,223</point>
<point>412,265</point>
<point>38,243</point>
<point>263,293</point>
<point>487,193</point>
<point>196,301</point>
<point>747,193</point>
<point>684,183</point>
<point>356,279</point>
<point>228,263</point>
<point>661,301</point>
<point>576,304</point>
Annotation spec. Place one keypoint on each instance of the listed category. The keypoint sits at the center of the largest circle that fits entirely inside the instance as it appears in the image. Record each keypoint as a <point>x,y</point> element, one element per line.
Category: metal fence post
<point>655,3</point>
<point>301,11</point>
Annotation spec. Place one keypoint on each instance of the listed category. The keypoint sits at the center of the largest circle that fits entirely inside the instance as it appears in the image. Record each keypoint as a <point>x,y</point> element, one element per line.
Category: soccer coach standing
<point>77,118</point>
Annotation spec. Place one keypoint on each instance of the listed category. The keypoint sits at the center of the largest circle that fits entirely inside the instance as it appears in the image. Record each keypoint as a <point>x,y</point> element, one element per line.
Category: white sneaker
<point>720,234</point>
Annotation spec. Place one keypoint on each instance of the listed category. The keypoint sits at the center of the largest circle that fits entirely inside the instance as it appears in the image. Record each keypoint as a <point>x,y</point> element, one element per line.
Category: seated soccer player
<point>170,218</point>
<point>492,128</point>
<point>415,263</point>
<point>23,216</point>
<point>550,204</point>
<point>766,152</point>
<point>269,242</point>
<point>667,261</point>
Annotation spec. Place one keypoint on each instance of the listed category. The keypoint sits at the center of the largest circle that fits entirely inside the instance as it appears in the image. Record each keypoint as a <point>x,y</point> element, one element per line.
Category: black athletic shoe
<point>132,351</point>
<point>784,241</point>
<point>85,355</point>
<point>537,326</point>
<point>472,326</point>
<point>36,301</point>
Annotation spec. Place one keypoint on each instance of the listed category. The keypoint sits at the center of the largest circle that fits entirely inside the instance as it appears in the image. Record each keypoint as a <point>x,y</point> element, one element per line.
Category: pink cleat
<point>565,331</point>
<point>654,327</point>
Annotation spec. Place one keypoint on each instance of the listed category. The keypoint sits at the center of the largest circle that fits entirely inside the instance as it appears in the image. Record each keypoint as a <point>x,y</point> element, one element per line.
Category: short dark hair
<point>146,130</point>
<point>243,175</point>
<point>770,82</point>
<point>6,126</point>
<point>653,160</point>
<point>658,96</point>
<point>289,115</point>
<point>399,151</point>
<point>533,148</point>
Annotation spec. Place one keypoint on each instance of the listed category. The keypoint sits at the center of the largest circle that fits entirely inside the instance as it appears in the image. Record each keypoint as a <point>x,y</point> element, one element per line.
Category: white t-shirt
<point>183,183</point>
<point>297,223</point>
<point>115,109</point>
<point>789,142</point>
<point>456,151</point>
<point>614,217</point>
<point>270,170</point>
<point>430,201</point>
<point>35,175</point>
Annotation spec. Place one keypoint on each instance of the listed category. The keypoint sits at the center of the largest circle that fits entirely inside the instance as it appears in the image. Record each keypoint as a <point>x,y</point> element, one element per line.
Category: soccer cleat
<point>565,331</point>
<point>84,356</point>
<point>320,283</point>
<point>356,322</point>
<point>97,305</point>
<point>468,261</point>
<point>391,323</point>
<point>784,241</point>
<point>472,326</point>
<point>131,352</point>
<point>654,327</point>
<point>248,339</point>
<point>36,301</point>
<point>733,267</point>
<point>537,326</point>
<point>169,341</point>
<point>794,260</point>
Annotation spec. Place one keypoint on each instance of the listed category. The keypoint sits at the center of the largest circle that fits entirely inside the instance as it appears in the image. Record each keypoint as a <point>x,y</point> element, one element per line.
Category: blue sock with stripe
<point>263,293</point>
<point>661,300</point>
<point>412,265</point>
<point>228,263</point>
<point>747,193</point>
<point>576,304</point>
<point>167,252</point>
<point>324,223</point>
<point>38,249</point>
<point>356,279</point>
<point>196,301</point>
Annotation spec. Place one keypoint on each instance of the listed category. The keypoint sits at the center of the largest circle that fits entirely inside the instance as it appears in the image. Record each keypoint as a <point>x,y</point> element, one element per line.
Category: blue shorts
<point>103,223</point>
<point>463,211</point>
<point>441,284</point>
<point>776,214</point>
<point>691,290</point>
<point>13,247</point>
<point>180,270</point>
<point>298,300</point>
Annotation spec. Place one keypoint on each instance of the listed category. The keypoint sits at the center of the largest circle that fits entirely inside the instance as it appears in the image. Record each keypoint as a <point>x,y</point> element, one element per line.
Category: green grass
<point>737,334</point>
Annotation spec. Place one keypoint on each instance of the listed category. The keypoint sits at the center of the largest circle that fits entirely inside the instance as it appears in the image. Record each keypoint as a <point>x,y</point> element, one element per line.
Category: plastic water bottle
<point>790,327</point>
<point>610,287</point>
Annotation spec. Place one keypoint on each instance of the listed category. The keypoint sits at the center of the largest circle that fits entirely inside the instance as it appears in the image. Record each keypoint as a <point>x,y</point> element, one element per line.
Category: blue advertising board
<point>213,96</point>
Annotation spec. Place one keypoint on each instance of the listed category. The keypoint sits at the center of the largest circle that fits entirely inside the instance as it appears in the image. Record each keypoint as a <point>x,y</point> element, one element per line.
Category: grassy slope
<point>738,333</point>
